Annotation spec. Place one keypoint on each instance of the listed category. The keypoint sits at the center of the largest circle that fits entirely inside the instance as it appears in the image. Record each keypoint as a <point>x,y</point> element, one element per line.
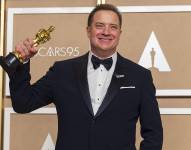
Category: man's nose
<point>106,31</point>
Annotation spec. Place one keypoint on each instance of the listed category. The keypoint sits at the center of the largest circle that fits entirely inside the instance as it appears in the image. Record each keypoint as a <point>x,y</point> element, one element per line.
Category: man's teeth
<point>104,39</point>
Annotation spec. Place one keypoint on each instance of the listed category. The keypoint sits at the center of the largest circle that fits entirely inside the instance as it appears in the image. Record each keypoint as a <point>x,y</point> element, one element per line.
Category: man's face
<point>104,33</point>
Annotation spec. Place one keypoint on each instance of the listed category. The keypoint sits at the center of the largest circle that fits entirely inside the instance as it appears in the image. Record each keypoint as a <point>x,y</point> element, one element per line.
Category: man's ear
<point>88,31</point>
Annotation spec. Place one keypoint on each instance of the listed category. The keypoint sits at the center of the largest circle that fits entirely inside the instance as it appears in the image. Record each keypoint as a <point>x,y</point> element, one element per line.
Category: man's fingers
<point>33,50</point>
<point>26,49</point>
<point>19,49</point>
<point>30,47</point>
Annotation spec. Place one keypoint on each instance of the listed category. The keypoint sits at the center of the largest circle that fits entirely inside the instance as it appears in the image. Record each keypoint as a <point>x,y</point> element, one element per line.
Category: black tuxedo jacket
<point>131,95</point>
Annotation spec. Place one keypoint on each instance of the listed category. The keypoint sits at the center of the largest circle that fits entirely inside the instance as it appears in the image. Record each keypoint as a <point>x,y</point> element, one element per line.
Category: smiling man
<point>98,96</point>
<point>104,33</point>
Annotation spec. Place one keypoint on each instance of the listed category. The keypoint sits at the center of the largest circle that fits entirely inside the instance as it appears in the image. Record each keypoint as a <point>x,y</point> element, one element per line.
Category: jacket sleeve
<point>26,97</point>
<point>151,125</point>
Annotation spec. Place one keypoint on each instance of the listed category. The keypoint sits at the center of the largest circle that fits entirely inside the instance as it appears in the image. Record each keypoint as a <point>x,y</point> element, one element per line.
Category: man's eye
<point>99,26</point>
<point>114,27</point>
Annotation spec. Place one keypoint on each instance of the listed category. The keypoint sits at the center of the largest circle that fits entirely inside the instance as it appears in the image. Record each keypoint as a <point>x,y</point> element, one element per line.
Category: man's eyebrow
<point>113,24</point>
<point>99,23</point>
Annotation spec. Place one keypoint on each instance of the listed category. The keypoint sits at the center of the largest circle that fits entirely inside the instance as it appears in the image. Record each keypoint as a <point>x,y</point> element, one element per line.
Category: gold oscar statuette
<point>14,59</point>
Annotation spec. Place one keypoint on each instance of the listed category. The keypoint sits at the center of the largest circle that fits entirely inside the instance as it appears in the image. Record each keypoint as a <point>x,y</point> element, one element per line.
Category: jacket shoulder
<point>70,62</point>
<point>131,65</point>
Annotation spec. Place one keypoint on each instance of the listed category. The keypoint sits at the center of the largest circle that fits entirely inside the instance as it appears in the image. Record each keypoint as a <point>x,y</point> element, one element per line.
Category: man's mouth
<point>105,39</point>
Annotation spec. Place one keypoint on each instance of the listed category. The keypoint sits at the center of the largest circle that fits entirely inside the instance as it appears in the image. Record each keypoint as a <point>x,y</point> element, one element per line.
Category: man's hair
<point>108,7</point>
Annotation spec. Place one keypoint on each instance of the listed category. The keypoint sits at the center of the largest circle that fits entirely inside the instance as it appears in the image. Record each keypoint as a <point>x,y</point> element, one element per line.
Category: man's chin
<point>107,50</point>
<point>105,47</point>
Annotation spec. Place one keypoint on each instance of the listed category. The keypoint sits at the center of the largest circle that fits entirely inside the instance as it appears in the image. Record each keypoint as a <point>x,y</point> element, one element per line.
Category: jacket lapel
<point>114,87</point>
<point>81,67</point>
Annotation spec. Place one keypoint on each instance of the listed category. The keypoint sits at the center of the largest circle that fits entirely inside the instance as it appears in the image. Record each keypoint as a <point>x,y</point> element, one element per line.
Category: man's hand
<point>26,49</point>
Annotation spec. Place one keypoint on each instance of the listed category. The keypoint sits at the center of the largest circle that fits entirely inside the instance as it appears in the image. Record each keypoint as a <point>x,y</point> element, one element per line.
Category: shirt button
<point>93,121</point>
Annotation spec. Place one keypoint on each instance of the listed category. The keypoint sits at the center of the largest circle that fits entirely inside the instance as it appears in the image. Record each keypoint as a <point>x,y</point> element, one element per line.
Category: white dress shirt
<point>99,81</point>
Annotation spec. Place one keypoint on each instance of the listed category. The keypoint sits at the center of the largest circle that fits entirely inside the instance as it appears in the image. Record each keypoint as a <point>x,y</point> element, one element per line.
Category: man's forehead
<point>106,15</point>
<point>105,12</point>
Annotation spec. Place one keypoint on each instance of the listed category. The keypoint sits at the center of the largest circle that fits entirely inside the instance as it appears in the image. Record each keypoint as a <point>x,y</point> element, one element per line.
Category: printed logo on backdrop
<point>153,55</point>
<point>48,143</point>
<point>58,51</point>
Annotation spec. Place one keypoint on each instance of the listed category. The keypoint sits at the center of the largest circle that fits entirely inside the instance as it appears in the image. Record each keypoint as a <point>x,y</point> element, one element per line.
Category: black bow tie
<point>106,62</point>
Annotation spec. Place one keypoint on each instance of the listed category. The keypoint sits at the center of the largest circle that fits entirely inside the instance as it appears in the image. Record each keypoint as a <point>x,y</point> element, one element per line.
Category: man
<point>98,96</point>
